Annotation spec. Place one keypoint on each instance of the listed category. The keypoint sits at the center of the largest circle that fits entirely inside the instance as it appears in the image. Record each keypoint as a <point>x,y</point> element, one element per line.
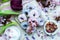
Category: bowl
<point>51,27</point>
<point>12,33</point>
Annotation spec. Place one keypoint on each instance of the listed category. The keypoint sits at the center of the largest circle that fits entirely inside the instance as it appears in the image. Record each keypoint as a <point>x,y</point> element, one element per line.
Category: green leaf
<point>8,12</point>
<point>3,1</point>
<point>8,25</point>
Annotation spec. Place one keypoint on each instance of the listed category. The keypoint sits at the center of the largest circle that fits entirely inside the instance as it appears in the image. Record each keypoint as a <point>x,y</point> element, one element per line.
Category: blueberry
<point>41,20</point>
<point>33,14</point>
<point>33,21</point>
<point>24,25</point>
<point>5,34</point>
<point>26,13</point>
<point>30,7</point>
<point>21,18</point>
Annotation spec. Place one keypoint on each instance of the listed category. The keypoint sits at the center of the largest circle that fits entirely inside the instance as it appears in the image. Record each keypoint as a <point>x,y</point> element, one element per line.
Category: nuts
<point>51,27</point>
<point>57,18</point>
<point>45,3</point>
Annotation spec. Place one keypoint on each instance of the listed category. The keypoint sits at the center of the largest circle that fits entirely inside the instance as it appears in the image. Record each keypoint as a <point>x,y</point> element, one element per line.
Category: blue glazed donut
<point>24,25</point>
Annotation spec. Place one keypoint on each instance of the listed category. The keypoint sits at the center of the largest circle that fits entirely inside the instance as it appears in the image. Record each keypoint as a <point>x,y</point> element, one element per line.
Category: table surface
<point>38,35</point>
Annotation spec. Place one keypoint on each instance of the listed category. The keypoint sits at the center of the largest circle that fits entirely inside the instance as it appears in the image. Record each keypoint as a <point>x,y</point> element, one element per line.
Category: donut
<point>40,21</point>
<point>34,13</point>
<point>24,25</point>
<point>22,17</point>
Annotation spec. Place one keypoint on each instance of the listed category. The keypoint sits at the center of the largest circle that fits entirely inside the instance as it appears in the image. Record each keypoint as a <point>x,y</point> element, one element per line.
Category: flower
<point>22,17</point>
<point>25,11</point>
<point>30,29</point>
<point>24,25</point>
<point>40,21</point>
<point>32,22</point>
<point>34,13</point>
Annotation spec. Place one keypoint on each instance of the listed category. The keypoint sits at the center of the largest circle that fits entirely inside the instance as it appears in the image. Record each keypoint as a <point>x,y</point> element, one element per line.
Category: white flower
<point>34,13</point>
<point>40,21</point>
<point>44,15</point>
<point>22,17</point>
<point>31,5</point>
